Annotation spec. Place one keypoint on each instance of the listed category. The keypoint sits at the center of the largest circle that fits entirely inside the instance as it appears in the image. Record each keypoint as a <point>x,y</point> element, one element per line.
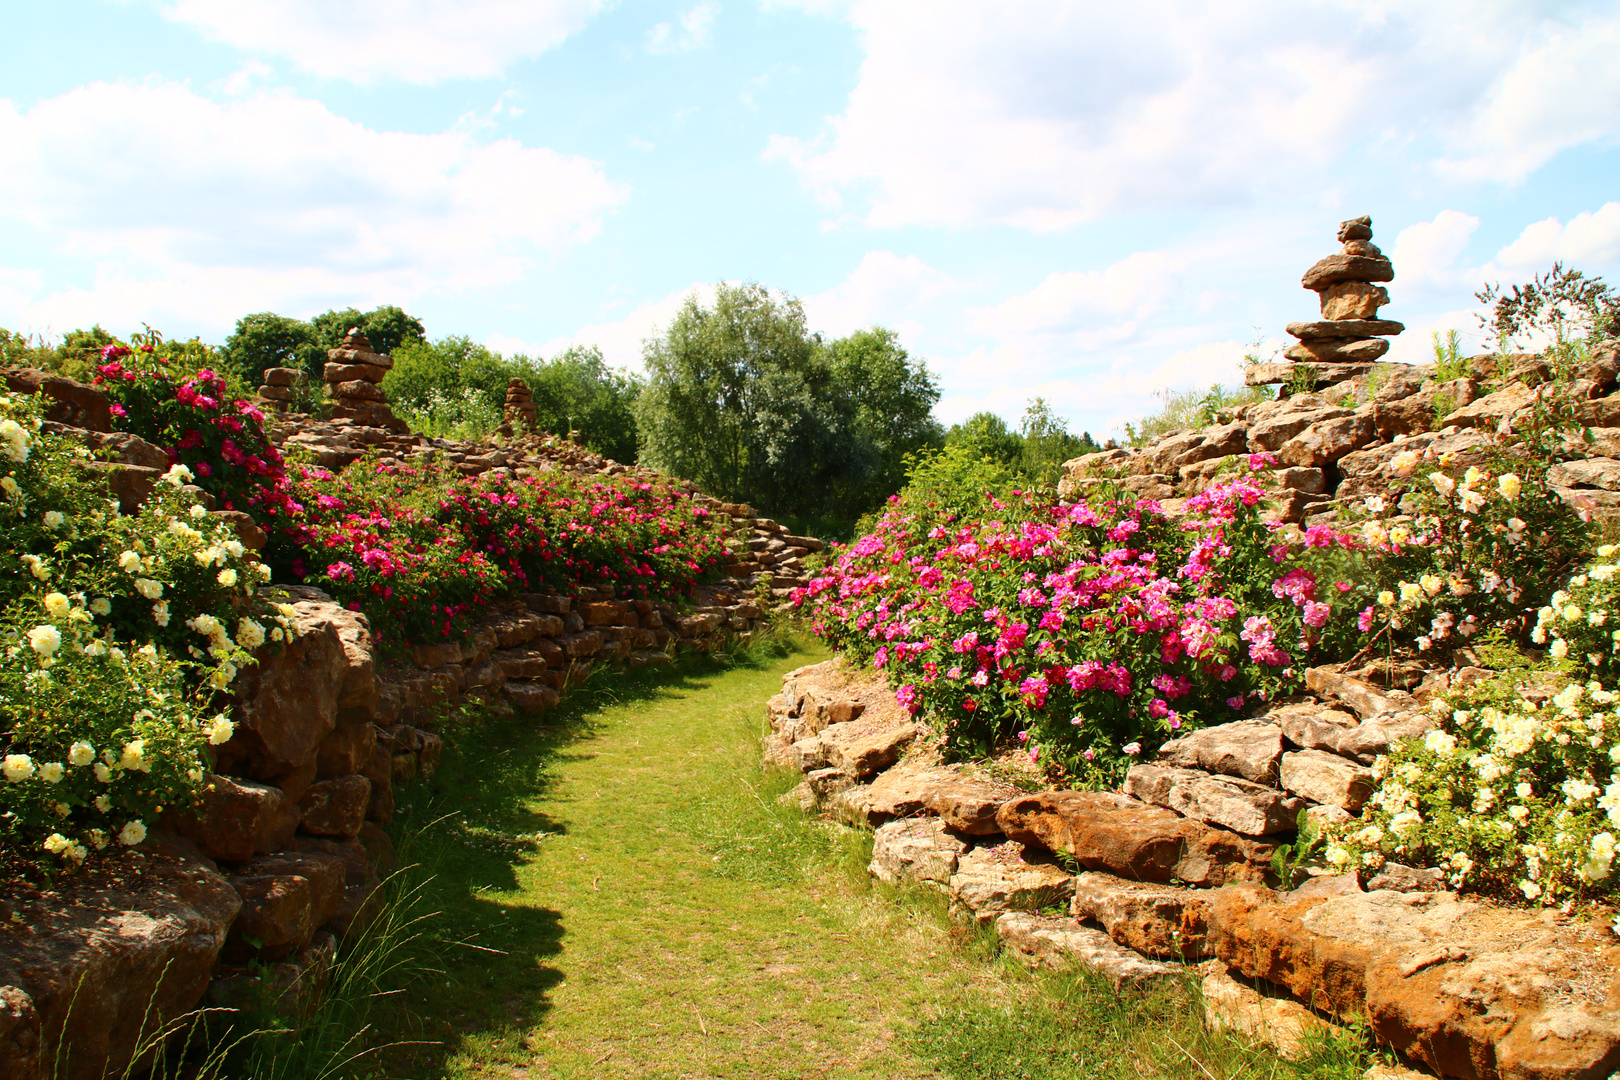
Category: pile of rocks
<point>353,374</point>
<point>1174,869</point>
<point>1350,336</point>
<point>279,389</point>
<point>519,413</point>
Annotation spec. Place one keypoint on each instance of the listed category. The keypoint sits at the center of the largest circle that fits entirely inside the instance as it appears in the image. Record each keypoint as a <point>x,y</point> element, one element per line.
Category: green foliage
<point>266,340</point>
<point>745,401</point>
<point>1563,306</point>
<point>575,391</point>
<point>1289,859</point>
<point>1581,621</point>
<point>1301,380</point>
<point>1189,409</point>
<point>1449,361</point>
<point>1512,799</point>
<point>1035,452</point>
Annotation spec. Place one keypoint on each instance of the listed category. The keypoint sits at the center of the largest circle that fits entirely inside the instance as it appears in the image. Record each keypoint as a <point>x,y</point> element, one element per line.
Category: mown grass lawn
<point>616,893</point>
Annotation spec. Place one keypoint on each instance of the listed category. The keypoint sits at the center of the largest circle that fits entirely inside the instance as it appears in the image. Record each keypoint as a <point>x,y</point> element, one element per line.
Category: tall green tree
<point>576,391</point>
<point>266,340</point>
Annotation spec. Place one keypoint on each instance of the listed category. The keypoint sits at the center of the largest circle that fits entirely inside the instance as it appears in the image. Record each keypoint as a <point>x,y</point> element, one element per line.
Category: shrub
<point>115,633</point>
<point>1581,621</point>
<point>192,417</point>
<point>1091,630</point>
<point>418,546</point>
<point>1513,799</point>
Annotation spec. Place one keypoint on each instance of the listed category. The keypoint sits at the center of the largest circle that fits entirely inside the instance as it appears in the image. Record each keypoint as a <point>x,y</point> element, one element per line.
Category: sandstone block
<point>989,881</point>
<point>914,851</point>
<point>288,703</point>
<point>1041,941</point>
<point>1122,836</point>
<point>1492,409</point>
<point>358,391</point>
<point>1327,441</point>
<point>1353,300</point>
<point>1334,329</point>
<point>1366,699</point>
<point>347,373</point>
<point>236,819</point>
<point>335,807</point>
<point>285,897</point>
<point>345,749</point>
<point>1272,432</point>
<point>1154,919</point>
<point>1337,268</point>
<point>1337,353</point>
<point>1251,749</point>
<point>1282,1023</point>
<point>282,376</point>
<point>1595,472</point>
<point>1233,803</point>
<point>1327,778</point>
<point>903,791</point>
<point>969,806</point>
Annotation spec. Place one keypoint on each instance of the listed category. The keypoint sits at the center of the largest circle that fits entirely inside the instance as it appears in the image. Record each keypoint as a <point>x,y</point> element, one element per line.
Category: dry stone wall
<point>246,897</point>
<point>1175,869</point>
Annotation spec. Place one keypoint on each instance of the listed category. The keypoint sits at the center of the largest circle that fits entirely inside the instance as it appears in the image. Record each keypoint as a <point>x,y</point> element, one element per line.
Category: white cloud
<point>695,29</point>
<point>416,41</point>
<point>621,339</point>
<point>1090,306</point>
<point>1047,113</point>
<point>1590,241</point>
<point>202,210</point>
<point>1425,253</point>
<point>884,288</point>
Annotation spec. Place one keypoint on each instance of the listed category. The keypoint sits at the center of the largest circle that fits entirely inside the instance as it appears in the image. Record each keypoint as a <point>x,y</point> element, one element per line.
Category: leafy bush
<point>266,340</point>
<point>193,418</point>
<point>115,632</point>
<point>1581,622</point>
<point>1512,798</point>
<point>1192,409</point>
<point>418,546</point>
<point>1479,550</point>
<point>1092,630</point>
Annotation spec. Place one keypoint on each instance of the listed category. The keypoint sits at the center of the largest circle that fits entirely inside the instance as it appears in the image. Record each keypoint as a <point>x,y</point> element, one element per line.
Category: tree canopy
<point>1035,451</point>
<point>266,340</point>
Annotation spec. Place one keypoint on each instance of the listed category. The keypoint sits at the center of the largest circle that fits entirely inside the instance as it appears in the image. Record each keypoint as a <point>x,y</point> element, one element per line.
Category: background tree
<point>1034,452</point>
<point>267,340</point>
<point>575,391</point>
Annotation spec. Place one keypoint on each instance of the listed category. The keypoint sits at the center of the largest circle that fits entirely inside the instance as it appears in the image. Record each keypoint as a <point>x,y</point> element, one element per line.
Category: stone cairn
<point>519,413</point>
<point>278,390</point>
<point>352,375</point>
<point>1349,337</point>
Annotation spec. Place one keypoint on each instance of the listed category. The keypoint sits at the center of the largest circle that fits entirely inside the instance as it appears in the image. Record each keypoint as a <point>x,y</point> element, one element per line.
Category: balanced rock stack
<point>519,413</point>
<point>1349,337</point>
<point>277,390</point>
<point>352,375</point>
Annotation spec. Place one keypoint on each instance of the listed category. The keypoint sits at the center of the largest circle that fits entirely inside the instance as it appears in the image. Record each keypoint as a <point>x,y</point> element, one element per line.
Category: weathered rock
<point>869,753</point>
<point>1337,352</point>
<point>1402,878</point>
<point>1353,300</point>
<point>1044,941</point>
<point>1312,725</point>
<point>914,851</point>
<point>285,897</point>
<point>530,696</point>
<point>1467,989</point>
<point>1272,432</point>
<point>345,749</point>
<point>1327,441</point>
<point>903,791</point>
<point>111,967</point>
<point>1596,472</point>
<point>1330,329</point>
<point>1283,1024</point>
<point>1337,268</point>
<point>237,819</point>
<point>288,702</point>
<point>1158,920</point>
<point>362,895</point>
<point>72,403</point>
<point>1247,748</point>
<point>1311,481</point>
<point>1233,803</point>
<point>991,880</point>
<point>1367,700</point>
<point>1490,410</point>
<point>1103,831</point>
<point>347,373</point>
<point>969,806</point>
<point>335,807</point>
<point>1327,778</point>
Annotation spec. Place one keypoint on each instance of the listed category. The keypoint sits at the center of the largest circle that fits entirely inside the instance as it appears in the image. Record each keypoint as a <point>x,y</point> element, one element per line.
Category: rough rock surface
<point>914,851</point>
<point>1467,989</point>
<point>1122,836</point>
<point>1044,941</point>
<point>989,881</point>
<point>1283,1024</point>
<point>1240,805</point>
<point>1251,749</point>
<point>1158,920</point>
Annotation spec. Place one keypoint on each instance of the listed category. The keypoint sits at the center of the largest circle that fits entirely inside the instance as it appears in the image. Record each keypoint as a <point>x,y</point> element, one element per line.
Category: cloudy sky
<point>1089,201</point>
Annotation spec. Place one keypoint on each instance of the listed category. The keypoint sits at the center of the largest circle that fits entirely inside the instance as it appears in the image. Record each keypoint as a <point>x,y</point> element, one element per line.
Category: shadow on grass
<point>488,967</point>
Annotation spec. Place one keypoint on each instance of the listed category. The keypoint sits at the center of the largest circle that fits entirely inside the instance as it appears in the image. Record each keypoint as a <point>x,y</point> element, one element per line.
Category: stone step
<point>991,880</point>
<point>1250,749</point>
<point>1228,801</point>
<point>1122,836</point>
<point>1045,941</point>
<point>1158,920</point>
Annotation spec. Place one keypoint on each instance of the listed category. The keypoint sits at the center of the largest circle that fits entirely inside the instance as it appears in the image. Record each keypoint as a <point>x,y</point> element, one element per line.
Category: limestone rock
<point>1240,805</point>
<point>1285,1025</point>
<point>335,807</point>
<point>1251,749</point>
<point>1332,329</point>
<point>1154,919</point>
<point>1043,941</point>
<point>1402,878</point>
<point>1492,409</point>
<point>969,806</point>
<point>107,966</point>
<point>237,819</point>
<point>866,753</point>
<point>989,881</point>
<point>914,851</point>
<point>1272,432</point>
<point>288,702</point>
<point>1353,300</point>
<point>1122,836</point>
<point>1464,988</point>
<point>362,893</point>
<point>904,791</point>
<point>1337,352</point>
<point>1326,441</point>
<point>1595,472</point>
<point>285,897</point>
<point>1367,700</point>
<point>345,749</point>
<point>1337,268</point>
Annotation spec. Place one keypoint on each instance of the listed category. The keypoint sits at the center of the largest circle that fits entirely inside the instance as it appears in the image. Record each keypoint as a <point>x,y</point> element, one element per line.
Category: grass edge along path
<point>617,893</point>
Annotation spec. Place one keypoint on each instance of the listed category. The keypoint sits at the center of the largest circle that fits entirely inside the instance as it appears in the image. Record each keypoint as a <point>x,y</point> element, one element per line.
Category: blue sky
<point>1088,201</point>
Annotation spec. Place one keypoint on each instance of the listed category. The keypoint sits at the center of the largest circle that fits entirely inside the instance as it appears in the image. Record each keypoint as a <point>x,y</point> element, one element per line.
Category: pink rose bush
<point>1092,626</point>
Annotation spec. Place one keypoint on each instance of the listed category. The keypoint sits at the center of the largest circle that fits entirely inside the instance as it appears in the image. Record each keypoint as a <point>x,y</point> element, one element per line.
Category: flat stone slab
<point>991,880</point>
<point>1130,839</point>
<point>1231,802</point>
<point>1045,941</point>
<point>1247,748</point>
<point>1322,727</point>
<point>1327,778</point>
<point>1465,988</point>
<point>969,806</point>
<point>1158,920</point>
<point>1281,1023</point>
<point>915,851</point>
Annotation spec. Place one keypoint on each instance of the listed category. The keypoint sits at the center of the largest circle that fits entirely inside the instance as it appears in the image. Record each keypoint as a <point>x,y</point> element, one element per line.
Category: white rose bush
<point>1511,798</point>
<point>120,637</point>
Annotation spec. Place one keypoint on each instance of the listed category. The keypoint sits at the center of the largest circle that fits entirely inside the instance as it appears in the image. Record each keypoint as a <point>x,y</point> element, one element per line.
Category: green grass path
<point>627,899</point>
